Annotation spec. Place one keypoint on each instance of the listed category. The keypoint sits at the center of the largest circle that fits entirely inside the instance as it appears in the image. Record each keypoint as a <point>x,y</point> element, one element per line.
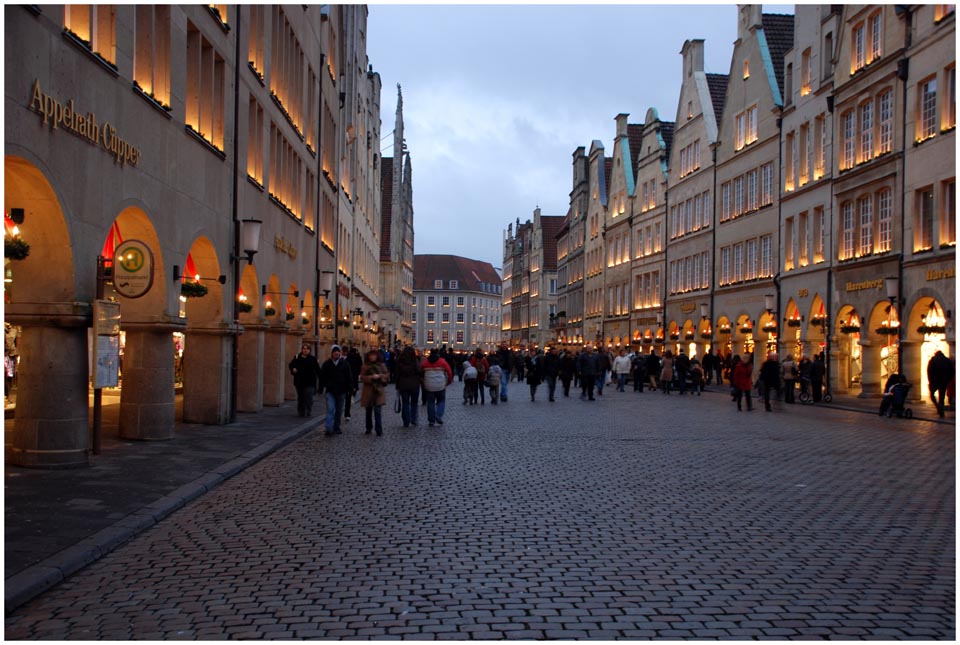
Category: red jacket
<point>743,376</point>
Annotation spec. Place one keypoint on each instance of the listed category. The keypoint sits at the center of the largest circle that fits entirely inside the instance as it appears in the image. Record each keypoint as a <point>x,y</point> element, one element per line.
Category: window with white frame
<point>847,129</point>
<point>766,184</point>
<point>459,336</point>
<point>725,265</point>
<point>725,205</point>
<point>858,48</point>
<point>820,147</point>
<point>804,144</point>
<point>876,36</point>
<point>430,336</point>
<point>789,155</point>
<point>460,300</point>
<point>788,244</point>
<point>431,301</point>
<point>738,262</point>
<point>805,68</point>
<point>927,110</point>
<point>949,119</point>
<point>438,284</point>
<point>454,284</point>
<point>885,117</point>
<point>431,317</point>
<point>803,258</point>
<point>866,131</point>
<point>751,269</point>
<point>766,256</point>
<point>819,235</point>
<point>445,301</point>
<point>948,213</point>
<point>884,220</point>
<point>445,317</point>
<point>847,227</point>
<point>865,210</point>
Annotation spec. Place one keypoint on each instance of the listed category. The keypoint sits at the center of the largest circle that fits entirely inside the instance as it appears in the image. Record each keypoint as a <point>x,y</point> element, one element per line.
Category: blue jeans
<point>436,401</point>
<point>335,403</point>
<point>551,386</point>
<point>621,381</point>
<point>408,407</point>
<point>503,386</point>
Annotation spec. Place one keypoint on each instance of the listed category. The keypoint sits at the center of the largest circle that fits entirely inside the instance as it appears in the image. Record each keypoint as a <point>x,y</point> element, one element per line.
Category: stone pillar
<point>250,369</point>
<point>911,368</point>
<point>147,405</point>
<point>275,364</point>
<point>870,384</point>
<point>206,375</point>
<point>51,428</point>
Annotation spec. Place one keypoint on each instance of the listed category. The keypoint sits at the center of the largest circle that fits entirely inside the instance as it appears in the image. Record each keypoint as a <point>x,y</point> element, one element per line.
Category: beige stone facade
<point>140,123</point>
<point>825,173</point>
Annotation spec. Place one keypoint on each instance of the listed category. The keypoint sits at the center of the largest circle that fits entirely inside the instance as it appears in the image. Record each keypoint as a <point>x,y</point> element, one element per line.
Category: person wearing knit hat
<point>337,380</point>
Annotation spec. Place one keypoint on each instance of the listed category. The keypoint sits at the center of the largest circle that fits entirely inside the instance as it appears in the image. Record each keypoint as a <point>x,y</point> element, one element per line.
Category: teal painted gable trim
<point>602,181</point>
<point>768,68</point>
<point>627,167</point>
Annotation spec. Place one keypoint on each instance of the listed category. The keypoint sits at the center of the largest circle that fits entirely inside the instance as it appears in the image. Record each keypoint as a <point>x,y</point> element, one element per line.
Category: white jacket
<point>621,365</point>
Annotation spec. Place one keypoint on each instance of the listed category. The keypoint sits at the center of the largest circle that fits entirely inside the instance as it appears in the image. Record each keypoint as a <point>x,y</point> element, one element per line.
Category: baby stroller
<point>895,403</point>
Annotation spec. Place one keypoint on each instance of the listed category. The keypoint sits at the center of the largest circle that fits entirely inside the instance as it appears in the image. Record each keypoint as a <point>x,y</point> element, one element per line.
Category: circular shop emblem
<point>132,269</point>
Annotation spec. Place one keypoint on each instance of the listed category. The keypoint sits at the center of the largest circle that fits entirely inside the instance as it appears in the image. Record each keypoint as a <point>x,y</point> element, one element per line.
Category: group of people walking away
<point>484,375</point>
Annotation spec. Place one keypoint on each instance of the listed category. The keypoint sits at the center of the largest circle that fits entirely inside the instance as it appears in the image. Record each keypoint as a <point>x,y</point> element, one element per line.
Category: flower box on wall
<point>850,329</point>
<point>190,289</point>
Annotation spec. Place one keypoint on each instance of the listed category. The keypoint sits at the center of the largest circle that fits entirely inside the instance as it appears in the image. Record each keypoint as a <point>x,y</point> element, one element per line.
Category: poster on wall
<point>106,349</point>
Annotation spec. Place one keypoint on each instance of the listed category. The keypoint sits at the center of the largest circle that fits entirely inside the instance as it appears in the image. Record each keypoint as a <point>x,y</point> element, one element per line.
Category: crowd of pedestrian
<point>423,378</point>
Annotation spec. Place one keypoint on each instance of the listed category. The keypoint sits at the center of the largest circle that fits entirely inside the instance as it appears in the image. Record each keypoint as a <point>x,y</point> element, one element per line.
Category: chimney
<point>622,125</point>
<point>692,53</point>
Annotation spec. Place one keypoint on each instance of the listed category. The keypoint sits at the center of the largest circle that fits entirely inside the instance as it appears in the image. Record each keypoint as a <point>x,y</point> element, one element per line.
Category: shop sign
<point>941,274</point>
<point>803,293</point>
<point>865,285</point>
<point>85,126</point>
<point>284,246</point>
<point>132,269</point>
<point>687,307</point>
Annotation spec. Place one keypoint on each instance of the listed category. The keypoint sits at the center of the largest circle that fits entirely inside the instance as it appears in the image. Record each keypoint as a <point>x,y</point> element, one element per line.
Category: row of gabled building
<point>804,202</point>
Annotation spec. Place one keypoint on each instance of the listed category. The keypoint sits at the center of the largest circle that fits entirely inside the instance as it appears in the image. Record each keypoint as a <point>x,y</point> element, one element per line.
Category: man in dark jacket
<point>551,369</point>
<point>603,358</point>
<point>769,378</point>
<point>306,370</point>
<point>337,379</point>
<point>653,368</point>
<point>940,372</point>
<point>588,366</point>
<point>505,360</point>
<point>682,366</point>
<point>817,372</point>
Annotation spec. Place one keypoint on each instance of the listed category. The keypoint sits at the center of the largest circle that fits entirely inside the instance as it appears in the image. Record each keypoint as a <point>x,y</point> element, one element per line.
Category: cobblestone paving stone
<point>638,516</point>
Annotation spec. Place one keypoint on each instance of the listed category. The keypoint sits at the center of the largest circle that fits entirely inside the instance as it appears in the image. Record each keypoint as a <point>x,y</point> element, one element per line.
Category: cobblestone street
<point>635,516</point>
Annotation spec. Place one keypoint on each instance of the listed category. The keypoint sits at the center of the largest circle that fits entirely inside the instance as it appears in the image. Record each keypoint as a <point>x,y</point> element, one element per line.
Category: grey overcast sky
<point>497,97</point>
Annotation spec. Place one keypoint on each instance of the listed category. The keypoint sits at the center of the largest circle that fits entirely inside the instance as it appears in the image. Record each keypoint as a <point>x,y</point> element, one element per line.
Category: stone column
<point>147,404</point>
<point>206,375</point>
<point>250,368</point>
<point>51,428</point>
<point>871,387</point>
<point>911,368</point>
<point>275,364</point>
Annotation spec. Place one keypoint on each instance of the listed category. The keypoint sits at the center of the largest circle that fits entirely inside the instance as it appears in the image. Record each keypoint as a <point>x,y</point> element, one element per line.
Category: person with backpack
<point>494,379</point>
<point>479,361</point>
<point>469,373</point>
<point>437,375</point>
<point>789,373</point>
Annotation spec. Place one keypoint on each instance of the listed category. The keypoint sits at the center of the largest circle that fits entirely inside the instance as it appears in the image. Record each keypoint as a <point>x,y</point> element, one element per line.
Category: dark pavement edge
<point>33,581</point>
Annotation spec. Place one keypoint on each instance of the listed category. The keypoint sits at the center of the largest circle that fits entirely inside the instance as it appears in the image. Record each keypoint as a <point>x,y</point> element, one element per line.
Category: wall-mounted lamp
<point>249,239</point>
<point>295,293</point>
<point>178,275</point>
<point>769,302</point>
<point>326,283</point>
<point>704,310</point>
<point>892,287</point>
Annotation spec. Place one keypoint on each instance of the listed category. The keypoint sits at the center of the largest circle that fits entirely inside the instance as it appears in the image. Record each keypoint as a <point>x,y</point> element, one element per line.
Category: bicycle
<point>806,394</point>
